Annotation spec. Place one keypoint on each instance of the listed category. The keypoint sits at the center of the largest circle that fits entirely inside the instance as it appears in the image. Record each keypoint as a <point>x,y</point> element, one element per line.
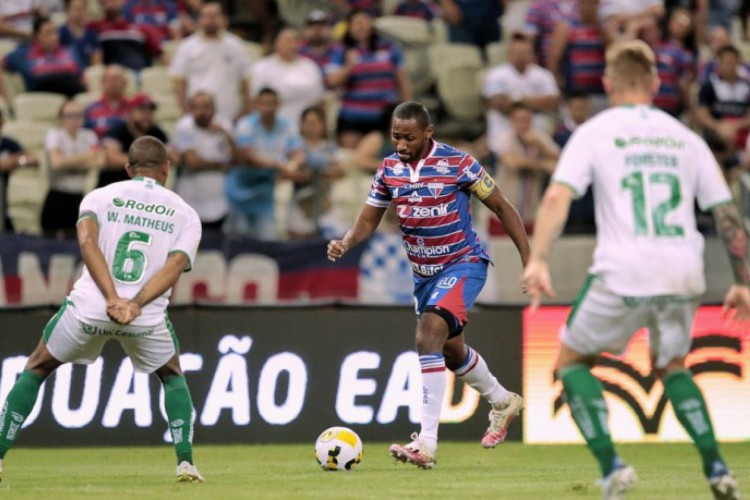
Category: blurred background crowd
<point>276,112</point>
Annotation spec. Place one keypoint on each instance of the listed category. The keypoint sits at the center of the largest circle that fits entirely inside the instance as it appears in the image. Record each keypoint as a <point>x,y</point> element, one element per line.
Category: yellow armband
<point>483,187</point>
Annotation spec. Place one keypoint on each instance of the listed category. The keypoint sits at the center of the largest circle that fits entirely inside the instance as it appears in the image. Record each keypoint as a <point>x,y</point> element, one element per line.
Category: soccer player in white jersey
<point>136,239</point>
<point>646,169</point>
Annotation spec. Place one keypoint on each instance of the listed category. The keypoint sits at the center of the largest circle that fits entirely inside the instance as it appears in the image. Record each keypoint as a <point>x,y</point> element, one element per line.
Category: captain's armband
<point>483,187</point>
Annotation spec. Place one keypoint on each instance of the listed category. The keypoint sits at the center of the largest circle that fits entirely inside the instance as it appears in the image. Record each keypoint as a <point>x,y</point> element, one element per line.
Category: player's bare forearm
<point>365,224</point>
<point>730,228</point>
<point>88,239</point>
<point>511,219</point>
<point>550,219</point>
<point>163,280</point>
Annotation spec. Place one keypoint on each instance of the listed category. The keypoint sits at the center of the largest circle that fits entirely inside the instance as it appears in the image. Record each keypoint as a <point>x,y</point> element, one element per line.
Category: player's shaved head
<point>147,152</point>
<point>413,110</point>
<point>631,65</point>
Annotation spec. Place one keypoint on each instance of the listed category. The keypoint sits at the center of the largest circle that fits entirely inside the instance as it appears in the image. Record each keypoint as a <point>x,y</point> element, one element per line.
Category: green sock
<point>690,409</point>
<point>179,408</point>
<point>583,393</point>
<point>17,407</point>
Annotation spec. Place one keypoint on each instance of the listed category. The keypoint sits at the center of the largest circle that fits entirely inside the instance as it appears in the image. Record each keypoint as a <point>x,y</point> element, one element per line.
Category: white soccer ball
<point>338,448</point>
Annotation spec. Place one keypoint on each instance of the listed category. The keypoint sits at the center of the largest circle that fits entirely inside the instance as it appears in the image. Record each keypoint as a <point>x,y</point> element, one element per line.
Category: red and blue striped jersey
<point>584,61</point>
<point>432,203</point>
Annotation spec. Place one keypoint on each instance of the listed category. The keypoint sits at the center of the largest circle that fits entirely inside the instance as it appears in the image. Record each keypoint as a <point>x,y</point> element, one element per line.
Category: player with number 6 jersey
<point>136,239</point>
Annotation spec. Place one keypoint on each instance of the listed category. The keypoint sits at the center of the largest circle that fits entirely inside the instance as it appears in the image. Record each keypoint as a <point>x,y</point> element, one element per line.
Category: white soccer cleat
<point>188,473</point>
<point>414,453</point>
<point>618,482</point>
<point>500,419</point>
<point>725,487</point>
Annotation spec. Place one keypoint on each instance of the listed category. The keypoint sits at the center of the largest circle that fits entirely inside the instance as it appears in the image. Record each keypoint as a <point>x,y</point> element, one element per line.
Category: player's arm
<point>730,227</point>
<point>487,191</point>
<point>87,231</point>
<point>365,224</point>
<point>549,223</point>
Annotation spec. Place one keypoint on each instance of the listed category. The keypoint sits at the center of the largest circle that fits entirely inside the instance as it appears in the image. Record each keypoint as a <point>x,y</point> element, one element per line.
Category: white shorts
<point>72,340</point>
<point>602,321</point>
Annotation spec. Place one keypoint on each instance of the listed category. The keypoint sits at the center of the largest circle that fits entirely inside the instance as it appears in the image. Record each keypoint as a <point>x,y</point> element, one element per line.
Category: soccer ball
<point>338,448</point>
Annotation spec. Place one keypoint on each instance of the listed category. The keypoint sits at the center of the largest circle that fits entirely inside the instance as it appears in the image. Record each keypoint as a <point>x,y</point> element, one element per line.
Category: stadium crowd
<point>277,137</point>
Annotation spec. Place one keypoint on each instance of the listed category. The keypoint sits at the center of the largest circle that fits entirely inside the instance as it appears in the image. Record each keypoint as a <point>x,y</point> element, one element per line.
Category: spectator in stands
<point>681,29</point>
<point>214,61</point>
<point>112,108</point>
<point>123,42</point>
<point>12,157</point>
<point>541,18</point>
<point>676,68</point>
<point>575,111</point>
<point>577,54</point>
<point>189,11</point>
<point>159,16</point>
<point>312,181</point>
<point>519,80</point>
<point>207,150</point>
<point>138,122</point>
<point>76,35</point>
<point>724,101</point>
<point>72,152</point>
<point>718,37</point>
<point>317,43</point>
<point>16,18</point>
<point>527,159</point>
<point>45,65</point>
<point>296,79</point>
<point>269,149</point>
<point>625,19</point>
<point>421,9</point>
<point>473,21</point>
<point>371,73</point>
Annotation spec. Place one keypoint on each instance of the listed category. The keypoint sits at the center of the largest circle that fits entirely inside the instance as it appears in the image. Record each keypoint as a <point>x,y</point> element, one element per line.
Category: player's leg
<point>22,396</point>
<point>670,343</point>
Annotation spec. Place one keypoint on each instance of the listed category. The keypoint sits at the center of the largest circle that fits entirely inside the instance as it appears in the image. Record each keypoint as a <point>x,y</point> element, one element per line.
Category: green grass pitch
<point>464,471</point>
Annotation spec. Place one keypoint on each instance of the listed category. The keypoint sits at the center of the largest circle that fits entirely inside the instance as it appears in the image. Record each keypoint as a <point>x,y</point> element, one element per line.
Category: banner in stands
<point>262,375</point>
<point>639,409</point>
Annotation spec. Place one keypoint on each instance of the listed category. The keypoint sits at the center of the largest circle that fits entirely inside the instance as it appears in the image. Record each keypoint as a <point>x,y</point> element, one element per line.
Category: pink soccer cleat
<point>500,418</point>
<point>414,453</point>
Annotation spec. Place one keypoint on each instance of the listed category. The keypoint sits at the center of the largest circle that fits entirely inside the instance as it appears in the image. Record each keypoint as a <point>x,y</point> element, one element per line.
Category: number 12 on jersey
<point>639,184</point>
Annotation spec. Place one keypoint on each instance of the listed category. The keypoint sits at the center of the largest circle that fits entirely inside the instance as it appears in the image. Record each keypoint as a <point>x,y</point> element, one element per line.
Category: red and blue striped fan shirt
<point>673,63</point>
<point>584,61</point>
<point>432,203</point>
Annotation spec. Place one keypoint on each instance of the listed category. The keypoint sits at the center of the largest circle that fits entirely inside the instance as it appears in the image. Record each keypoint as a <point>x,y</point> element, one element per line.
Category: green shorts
<point>71,339</point>
<point>602,321</point>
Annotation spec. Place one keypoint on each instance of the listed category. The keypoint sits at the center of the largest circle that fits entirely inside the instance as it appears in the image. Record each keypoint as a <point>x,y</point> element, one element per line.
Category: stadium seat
<point>168,127</point>
<point>404,29</point>
<point>457,89</point>
<point>5,108</point>
<point>37,107</point>
<point>255,50</point>
<point>417,65</point>
<point>169,110</point>
<point>14,85</point>
<point>86,98</point>
<point>7,46</point>
<point>439,30</point>
<point>389,6</point>
<point>168,48</point>
<point>31,135</point>
<point>156,80</point>
<point>444,56</point>
<point>496,53</point>
<point>27,190</point>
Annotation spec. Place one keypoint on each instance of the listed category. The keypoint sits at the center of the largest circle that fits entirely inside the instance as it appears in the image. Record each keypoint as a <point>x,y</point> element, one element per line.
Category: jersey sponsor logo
<point>426,251</point>
<point>654,142</point>
<point>426,269</point>
<point>415,198</point>
<point>406,211</point>
<point>435,189</point>
<point>468,173</point>
<point>443,167</point>
<point>143,207</point>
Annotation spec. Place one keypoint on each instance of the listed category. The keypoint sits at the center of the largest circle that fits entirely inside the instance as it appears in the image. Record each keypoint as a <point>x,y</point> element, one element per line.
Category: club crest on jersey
<point>415,198</point>
<point>435,189</point>
<point>442,167</point>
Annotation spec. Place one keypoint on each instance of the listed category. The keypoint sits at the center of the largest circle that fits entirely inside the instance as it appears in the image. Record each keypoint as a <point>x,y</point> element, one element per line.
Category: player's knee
<point>41,362</point>
<point>170,369</point>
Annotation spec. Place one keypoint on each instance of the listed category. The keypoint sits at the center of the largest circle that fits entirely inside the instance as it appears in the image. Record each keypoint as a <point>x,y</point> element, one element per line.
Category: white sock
<point>475,373</point>
<point>433,390</point>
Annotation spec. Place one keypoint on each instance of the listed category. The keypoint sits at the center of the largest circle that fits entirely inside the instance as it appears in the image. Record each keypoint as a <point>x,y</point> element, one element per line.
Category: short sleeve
<point>379,195</point>
<point>574,168</point>
<point>293,143</point>
<point>89,207</point>
<point>243,134</point>
<point>184,138</point>
<point>548,83</point>
<point>179,66</point>
<point>397,57</point>
<point>336,60</point>
<point>470,172</point>
<point>711,188</point>
<point>706,95</point>
<point>188,240</point>
<point>494,84</point>
<point>52,140</point>
<point>245,64</point>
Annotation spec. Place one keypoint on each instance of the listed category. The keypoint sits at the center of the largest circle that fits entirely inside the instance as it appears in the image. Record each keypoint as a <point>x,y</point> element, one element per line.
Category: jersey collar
<point>143,178</point>
<point>414,171</point>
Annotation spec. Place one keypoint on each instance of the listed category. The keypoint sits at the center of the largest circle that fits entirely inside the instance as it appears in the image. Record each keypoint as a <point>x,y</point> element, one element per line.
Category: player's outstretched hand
<point>737,303</point>
<point>336,249</point>
<point>536,280</point>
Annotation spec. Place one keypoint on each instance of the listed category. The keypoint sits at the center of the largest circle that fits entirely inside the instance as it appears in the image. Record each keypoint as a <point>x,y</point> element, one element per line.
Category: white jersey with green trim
<point>646,169</point>
<point>140,224</point>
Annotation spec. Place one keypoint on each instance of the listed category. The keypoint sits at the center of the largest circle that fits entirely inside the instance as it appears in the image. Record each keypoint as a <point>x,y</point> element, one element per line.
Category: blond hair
<point>631,65</point>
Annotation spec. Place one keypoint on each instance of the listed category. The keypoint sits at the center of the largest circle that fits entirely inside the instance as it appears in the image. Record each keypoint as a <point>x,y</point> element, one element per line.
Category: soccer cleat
<point>724,487</point>
<point>618,482</point>
<point>500,418</point>
<point>188,473</point>
<point>413,453</point>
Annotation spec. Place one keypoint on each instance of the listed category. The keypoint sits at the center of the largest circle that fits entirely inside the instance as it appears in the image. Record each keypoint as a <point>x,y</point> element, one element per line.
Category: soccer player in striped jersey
<point>430,185</point>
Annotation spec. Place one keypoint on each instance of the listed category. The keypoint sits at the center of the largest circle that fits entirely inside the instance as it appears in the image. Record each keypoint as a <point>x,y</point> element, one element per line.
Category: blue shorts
<point>451,293</point>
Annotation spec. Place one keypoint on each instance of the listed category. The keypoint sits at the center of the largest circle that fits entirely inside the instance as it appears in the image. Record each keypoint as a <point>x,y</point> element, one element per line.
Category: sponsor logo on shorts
<point>94,330</point>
